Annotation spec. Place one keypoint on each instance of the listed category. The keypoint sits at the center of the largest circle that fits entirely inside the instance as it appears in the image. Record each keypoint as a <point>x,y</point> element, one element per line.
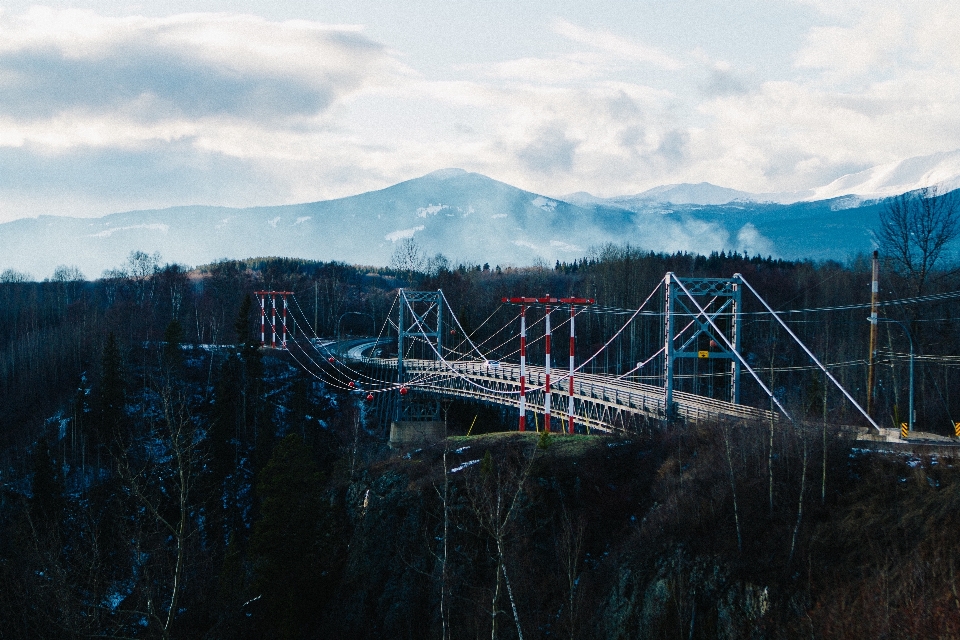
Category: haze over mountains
<point>470,217</point>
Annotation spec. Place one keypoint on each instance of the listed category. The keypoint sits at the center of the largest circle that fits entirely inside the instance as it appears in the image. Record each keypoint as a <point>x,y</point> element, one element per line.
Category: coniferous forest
<point>164,476</point>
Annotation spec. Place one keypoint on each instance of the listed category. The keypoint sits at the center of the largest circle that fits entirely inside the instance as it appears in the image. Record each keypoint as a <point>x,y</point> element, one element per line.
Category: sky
<point>113,106</point>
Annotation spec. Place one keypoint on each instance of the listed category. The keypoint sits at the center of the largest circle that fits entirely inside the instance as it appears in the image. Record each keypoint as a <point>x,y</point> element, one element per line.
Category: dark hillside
<point>162,475</point>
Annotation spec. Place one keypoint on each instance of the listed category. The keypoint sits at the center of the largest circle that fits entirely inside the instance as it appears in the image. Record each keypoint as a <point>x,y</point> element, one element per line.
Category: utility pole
<point>874,293</point>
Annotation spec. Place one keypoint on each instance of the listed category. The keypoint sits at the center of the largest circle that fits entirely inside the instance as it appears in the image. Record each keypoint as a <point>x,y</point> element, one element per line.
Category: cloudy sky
<point>110,106</point>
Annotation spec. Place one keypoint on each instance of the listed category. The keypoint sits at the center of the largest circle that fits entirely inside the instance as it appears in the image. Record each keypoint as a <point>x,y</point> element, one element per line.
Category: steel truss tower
<point>419,323</point>
<point>687,334</point>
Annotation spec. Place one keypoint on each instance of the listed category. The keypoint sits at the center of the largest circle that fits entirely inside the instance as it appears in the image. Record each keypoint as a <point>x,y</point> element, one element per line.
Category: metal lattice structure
<point>419,329</point>
<point>699,338</point>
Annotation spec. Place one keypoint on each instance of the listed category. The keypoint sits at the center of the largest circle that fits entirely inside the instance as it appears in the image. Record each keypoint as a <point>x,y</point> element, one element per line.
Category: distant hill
<point>466,216</point>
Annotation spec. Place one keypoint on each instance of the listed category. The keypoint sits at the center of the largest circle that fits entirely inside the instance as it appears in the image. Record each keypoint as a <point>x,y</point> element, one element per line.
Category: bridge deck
<point>597,398</point>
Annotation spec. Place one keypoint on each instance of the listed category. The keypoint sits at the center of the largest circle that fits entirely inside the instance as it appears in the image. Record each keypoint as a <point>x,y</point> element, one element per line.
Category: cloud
<point>100,114</point>
<point>751,241</point>
<point>565,69</point>
<point>58,67</point>
<point>875,41</point>
<point>550,151</point>
<point>615,45</point>
<point>673,146</point>
<point>724,82</point>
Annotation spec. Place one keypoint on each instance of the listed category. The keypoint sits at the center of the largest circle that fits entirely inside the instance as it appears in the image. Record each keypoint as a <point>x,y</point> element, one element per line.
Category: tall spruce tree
<point>284,543</point>
<point>172,353</point>
<point>47,501</point>
<point>112,395</point>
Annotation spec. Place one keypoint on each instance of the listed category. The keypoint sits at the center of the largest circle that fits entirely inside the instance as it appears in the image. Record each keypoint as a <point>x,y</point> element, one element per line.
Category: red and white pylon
<point>523,367</point>
<point>283,342</point>
<point>546,368</point>
<point>262,296</point>
<point>263,318</point>
<point>523,302</point>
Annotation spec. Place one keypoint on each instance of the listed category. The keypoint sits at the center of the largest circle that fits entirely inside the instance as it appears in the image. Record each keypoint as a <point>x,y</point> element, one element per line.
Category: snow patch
<point>498,215</point>
<point>273,223</point>
<point>464,466</point>
<point>432,210</point>
<point>565,246</point>
<point>403,234</point>
<point>302,219</point>
<point>153,227</point>
<point>528,245</point>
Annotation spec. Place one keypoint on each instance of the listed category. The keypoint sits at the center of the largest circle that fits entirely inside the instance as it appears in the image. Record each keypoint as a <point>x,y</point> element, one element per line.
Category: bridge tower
<point>689,335</point>
<point>419,333</point>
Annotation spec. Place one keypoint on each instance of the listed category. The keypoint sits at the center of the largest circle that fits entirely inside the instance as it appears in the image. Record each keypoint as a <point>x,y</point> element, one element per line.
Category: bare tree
<point>916,229</point>
<point>11,275</point>
<point>408,257</point>
<point>438,264</point>
<point>570,544</point>
<point>165,491</point>
<point>494,493</point>
<point>141,267</point>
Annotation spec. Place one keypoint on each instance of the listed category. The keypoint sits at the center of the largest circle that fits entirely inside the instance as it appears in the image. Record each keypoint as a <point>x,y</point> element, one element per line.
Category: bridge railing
<point>500,384</point>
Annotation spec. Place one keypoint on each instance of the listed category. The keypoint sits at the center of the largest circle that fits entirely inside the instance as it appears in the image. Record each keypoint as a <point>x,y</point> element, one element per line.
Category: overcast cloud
<point>103,113</point>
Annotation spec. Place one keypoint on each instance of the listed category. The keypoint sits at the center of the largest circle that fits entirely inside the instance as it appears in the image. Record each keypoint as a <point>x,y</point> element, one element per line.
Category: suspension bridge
<point>423,355</point>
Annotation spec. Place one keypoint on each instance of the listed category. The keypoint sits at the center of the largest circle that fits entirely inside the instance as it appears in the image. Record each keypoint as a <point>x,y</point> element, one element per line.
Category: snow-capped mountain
<point>466,216</point>
<point>472,218</point>
<point>685,193</point>
<point>886,180</point>
<point>882,181</point>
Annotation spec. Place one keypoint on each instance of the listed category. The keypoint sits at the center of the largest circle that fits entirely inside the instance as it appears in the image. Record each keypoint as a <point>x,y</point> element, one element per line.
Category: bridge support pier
<point>410,433</point>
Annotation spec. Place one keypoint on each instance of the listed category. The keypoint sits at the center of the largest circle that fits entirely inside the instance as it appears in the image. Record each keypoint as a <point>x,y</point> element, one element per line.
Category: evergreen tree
<point>47,501</point>
<point>254,417</point>
<point>112,396</point>
<point>227,428</point>
<point>172,353</point>
<point>242,324</point>
<point>284,543</point>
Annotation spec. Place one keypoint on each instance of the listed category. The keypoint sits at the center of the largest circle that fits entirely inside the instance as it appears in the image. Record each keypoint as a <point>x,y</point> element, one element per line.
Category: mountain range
<point>472,218</point>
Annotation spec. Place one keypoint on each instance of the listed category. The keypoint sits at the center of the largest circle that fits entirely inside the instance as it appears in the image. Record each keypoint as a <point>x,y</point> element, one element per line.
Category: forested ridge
<point>164,476</point>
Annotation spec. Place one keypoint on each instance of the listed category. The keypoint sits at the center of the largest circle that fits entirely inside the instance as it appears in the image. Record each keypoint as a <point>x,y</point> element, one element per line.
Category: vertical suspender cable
<point>570,392</point>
